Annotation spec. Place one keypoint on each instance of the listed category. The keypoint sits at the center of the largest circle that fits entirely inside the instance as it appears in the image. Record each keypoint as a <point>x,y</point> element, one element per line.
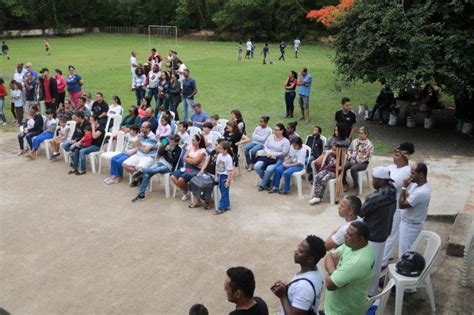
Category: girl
<point>115,106</point>
<point>164,91</point>
<point>290,94</point>
<point>164,130</point>
<point>17,97</point>
<point>3,93</point>
<point>74,84</point>
<point>63,134</point>
<point>294,162</point>
<point>145,103</point>
<point>51,124</point>
<point>236,116</point>
<point>224,175</point>
<point>233,135</point>
<point>12,103</point>
<point>327,172</point>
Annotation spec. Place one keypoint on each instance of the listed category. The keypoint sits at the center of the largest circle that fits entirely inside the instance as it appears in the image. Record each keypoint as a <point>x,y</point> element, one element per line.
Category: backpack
<point>311,311</point>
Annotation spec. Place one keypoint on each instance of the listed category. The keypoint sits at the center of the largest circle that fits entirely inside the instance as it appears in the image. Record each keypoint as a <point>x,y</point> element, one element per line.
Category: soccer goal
<point>162,32</point>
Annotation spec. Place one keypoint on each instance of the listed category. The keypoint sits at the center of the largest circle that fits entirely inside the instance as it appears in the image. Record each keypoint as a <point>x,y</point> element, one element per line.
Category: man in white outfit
<point>133,64</point>
<point>414,201</point>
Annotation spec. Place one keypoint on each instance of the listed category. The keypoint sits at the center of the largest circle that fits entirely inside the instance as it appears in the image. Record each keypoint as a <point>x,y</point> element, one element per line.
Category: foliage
<point>329,14</point>
<point>422,42</point>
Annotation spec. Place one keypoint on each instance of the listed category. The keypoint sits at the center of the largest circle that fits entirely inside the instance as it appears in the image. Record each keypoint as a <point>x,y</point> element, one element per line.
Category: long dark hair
<point>282,127</point>
<point>343,131</point>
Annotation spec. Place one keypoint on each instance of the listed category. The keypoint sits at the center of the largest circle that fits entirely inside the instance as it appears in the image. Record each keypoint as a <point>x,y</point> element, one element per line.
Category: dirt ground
<point>73,245</point>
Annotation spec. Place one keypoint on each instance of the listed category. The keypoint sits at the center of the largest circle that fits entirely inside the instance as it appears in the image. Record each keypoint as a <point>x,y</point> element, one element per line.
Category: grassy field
<point>223,83</point>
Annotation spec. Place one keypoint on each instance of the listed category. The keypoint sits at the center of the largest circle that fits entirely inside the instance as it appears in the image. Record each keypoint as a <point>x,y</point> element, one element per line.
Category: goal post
<point>163,31</point>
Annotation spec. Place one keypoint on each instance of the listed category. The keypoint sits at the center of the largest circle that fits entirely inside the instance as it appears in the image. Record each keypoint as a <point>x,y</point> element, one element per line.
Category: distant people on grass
<point>133,64</point>
<point>296,46</point>
<point>30,82</point>
<point>47,47</point>
<point>239,52</point>
<point>384,101</point>
<point>303,293</point>
<point>282,47</point>
<point>189,90</point>
<point>290,94</point>
<point>265,53</point>
<point>304,89</point>
<point>3,95</point>
<point>248,46</point>
<point>5,50</point>
<point>49,88</point>
<point>346,116</point>
<point>256,142</point>
<point>74,84</point>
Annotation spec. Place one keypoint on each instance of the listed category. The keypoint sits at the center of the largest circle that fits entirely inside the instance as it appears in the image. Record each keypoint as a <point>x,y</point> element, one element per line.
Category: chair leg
<point>92,160</point>
<point>216,197</point>
<point>150,184</point>
<point>47,150</point>
<point>100,165</point>
<point>332,191</point>
<point>400,291</point>
<point>299,186</point>
<point>167,183</point>
<point>360,182</point>
<point>429,290</point>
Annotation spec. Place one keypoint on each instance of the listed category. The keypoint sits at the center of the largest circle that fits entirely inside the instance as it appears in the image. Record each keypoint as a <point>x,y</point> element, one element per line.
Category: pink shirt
<point>163,131</point>
<point>61,83</point>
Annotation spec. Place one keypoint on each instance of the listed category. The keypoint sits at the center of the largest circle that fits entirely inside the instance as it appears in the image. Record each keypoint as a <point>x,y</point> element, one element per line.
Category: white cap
<point>381,172</point>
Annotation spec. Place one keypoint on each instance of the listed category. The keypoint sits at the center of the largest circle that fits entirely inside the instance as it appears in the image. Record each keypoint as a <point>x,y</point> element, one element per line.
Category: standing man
<point>303,293</point>
<point>346,116</point>
<point>282,50</point>
<point>414,201</point>
<point>349,271</point>
<point>30,81</point>
<point>188,91</point>
<point>304,88</point>
<point>377,212</point>
<point>5,50</point>
<point>248,46</point>
<point>47,47</point>
<point>100,109</point>
<point>265,53</point>
<point>49,88</point>
<point>239,285</point>
<point>133,64</point>
<point>296,46</point>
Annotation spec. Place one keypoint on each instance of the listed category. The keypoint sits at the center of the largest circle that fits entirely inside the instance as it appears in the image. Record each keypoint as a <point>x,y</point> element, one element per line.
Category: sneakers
<point>137,174</point>
<point>138,198</point>
<point>314,201</point>
<point>185,197</point>
<point>273,190</point>
<point>111,181</point>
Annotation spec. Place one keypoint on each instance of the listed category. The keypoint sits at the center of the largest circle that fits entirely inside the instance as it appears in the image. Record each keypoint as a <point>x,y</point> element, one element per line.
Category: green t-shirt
<point>352,278</point>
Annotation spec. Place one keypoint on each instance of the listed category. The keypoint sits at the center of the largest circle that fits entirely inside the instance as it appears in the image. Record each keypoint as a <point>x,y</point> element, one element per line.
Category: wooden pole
<point>340,163</point>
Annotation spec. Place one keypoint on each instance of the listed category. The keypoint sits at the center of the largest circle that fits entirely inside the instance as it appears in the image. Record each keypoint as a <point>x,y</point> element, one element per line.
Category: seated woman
<point>326,173</point>
<point>233,135</point>
<point>252,146</point>
<point>79,153</point>
<point>131,119</point>
<point>276,147</point>
<point>236,116</point>
<point>291,130</point>
<point>193,162</point>
<point>168,158</point>
<point>51,124</point>
<point>145,103</point>
<point>294,162</point>
<point>358,155</point>
<point>31,128</point>
<point>116,169</point>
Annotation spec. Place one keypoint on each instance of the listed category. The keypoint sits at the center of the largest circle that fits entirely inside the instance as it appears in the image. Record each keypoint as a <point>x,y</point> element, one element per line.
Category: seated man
<point>316,144</point>
<point>168,159</point>
<point>239,285</point>
<point>349,208</point>
<point>384,100</point>
<point>302,294</point>
<point>149,118</point>
<point>349,272</point>
<point>198,117</point>
<point>147,147</point>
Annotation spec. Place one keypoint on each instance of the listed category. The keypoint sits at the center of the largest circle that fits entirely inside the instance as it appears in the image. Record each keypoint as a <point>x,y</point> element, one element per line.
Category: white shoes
<point>185,197</point>
<point>314,201</point>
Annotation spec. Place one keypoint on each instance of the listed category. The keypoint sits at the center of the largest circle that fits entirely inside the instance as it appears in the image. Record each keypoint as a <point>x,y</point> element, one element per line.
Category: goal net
<point>162,35</point>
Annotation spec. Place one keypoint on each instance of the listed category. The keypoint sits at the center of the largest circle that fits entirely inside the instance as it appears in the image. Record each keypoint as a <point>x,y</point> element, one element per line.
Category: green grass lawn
<point>223,83</point>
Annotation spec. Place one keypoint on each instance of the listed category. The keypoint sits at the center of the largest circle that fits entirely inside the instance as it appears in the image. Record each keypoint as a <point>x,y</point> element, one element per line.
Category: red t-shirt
<point>3,91</point>
<point>47,93</point>
<point>86,140</point>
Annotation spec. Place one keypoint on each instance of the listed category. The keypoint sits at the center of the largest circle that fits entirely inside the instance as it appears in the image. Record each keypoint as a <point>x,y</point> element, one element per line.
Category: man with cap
<point>49,88</point>
<point>377,212</point>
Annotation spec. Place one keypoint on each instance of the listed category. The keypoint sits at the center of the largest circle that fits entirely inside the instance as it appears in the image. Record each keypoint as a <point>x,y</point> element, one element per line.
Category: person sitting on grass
<point>193,162</point>
<point>63,134</point>
<point>146,145</point>
<point>302,295</point>
<point>325,174</point>
<point>276,147</point>
<point>348,209</point>
<point>51,124</point>
<point>116,170</point>
<point>294,162</point>
<point>253,145</point>
<point>224,175</point>
<point>168,158</point>
<point>239,286</point>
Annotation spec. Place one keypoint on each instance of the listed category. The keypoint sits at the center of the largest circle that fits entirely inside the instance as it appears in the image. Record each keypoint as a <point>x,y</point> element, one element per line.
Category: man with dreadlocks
<point>303,293</point>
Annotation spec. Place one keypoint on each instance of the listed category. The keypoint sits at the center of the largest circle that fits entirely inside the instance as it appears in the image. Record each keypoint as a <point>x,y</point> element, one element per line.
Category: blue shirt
<point>73,83</point>
<point>199,119</point>
<point>149,140</point>
<point>306,88</point>
<point>189,85</point>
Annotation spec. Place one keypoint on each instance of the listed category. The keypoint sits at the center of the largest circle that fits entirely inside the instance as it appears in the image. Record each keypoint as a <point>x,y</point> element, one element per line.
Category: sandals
<point>195,206</point>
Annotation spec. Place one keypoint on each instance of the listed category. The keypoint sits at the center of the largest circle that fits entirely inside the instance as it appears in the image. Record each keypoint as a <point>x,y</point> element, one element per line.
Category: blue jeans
<point>139,93</point>
<point>116,164</point>
<point>153,93</point>
<point>224,203</point>
<point>287,173</point>
<point>250,151</point>
<point>40,138</point>
<point>158,168</point>
<point>79,157</point>
<point>67,146</point>
<point>2,114</point>
<point>187,104</point>
<point>29,138</point>
<point>266,174</point>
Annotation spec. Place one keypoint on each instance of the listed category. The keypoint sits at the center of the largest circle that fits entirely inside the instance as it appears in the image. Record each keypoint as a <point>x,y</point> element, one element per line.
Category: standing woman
<point>290,94</point>
<point>164,91</point>
<point>3,94</point>
<point>61,84</point>
<point>139,84</point>
<point>74,84</point>
<point>17,97</point>
<point>175,93</point>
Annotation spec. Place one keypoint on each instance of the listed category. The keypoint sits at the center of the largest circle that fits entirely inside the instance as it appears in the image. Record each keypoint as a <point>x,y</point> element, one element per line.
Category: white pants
<point>409,231</point>
<point>139,161</point>
<point>393,238</point>
<point>378,249</point>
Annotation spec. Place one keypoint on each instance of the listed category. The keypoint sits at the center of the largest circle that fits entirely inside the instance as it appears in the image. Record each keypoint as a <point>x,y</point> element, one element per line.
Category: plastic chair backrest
<point>45,119</point>
<point>107,124</point>
<point>71,124</point>
<point>222,122</point>
<point>433,244</point>
<point>308,153</point>
<point>382,297</point>
<point>192,132</point>
<point>119,142</point>
<point>215,136</point>
<point>173,115</point>
<point>116,123</point>
<point>323,138</point>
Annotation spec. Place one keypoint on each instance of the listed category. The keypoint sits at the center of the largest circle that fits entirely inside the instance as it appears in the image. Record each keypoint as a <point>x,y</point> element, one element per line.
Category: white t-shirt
<point>339,236</point>
<point>18,77</point>
<point>296,44</point>
<point>297,156</point>
<point>129,149</point>
<point>115,110</point>
<point>208,138</point>
<point>248,45</point>
<point>224,164</point>
<point>419,200</point>
<point>153,79</point>
<point>301,294</point>
<point>133,61</point>
<point>398,175</point>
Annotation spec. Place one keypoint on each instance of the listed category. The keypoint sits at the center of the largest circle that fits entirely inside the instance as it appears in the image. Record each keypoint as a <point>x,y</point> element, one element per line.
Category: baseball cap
<point>381,172</point>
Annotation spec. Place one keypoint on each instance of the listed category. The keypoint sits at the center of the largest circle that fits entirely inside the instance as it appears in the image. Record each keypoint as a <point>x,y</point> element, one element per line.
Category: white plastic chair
<point>167,178</point>
<point>468,256</point>
<point>116,121</point>
<point>192,132</point>
<point>360,179</point>
<point>94,156</point>
<point>380,299</point>
<point>215,136</point>
<point>222,123</point>
<point>299,175</point>
<point>109,154</point>
<point>71,124</point>
<point>47,144</point>
<point>173,115</point>
<point>402,283</point>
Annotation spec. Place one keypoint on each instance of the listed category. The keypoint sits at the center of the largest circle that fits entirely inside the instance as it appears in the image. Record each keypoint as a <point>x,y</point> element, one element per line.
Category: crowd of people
<point>201,151</point>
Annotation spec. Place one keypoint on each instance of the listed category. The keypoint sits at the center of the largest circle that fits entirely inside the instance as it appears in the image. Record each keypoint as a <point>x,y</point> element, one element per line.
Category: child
<point>215,126</point>
<point>206,132</point>
<point>61,135</point>
<point>51,124</point>
<point>47,47</point>
<point>12,103</point>
<point>85,141</point>
<point>164,130</point>
<point>294,162</point>
<point>116,170</point>
<point>224,174</point>
<point>183,134</point>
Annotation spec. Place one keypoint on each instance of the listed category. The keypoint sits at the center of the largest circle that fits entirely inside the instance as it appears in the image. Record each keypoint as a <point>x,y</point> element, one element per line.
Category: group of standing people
<point>250,48</point>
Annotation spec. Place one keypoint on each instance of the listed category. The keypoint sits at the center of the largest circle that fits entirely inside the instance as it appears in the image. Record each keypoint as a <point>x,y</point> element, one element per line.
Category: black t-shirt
<point>79,130</point>
<point>258,309</point>
<point>282,46</point>
<point>4,47</point>
<point>99,108</point>
<point>98,141</point>
<point>349,118</point>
